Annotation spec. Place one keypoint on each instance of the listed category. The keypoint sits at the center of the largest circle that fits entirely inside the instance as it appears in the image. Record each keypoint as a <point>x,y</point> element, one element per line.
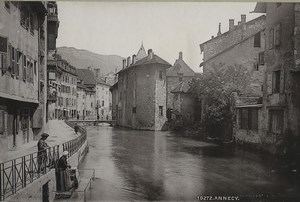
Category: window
<point>257,40</point>
<point>134,110</point>
<point>24,68</point>
<point>276,81</point>
<point>19,60</point>
<point>31,21</point>
<point>276,121</point>
<point>161,111</point>
<point>255,67</point>
<point>24,16</point>
<point>160,74</point>
<point>248,119</point>
<point>2,122</point>
<point>180,76</point>
<point>3,54</point>
<point>271,38</point>
<point>102,103</point>
<point>261,58</point>
<point>7,5</point>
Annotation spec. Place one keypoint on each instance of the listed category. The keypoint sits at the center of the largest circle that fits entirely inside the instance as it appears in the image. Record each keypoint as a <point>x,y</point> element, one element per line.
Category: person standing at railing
<point>76,128</point>
<point>42,152</point>
<point>62,173</point>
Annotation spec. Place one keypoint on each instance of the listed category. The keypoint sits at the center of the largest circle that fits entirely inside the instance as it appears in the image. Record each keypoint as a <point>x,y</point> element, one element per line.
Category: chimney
<point>243,19</point>
<point>128,61</point>
<point>133,59</point>
<point>116,70</point>
<point>219,32</point>
<point>89,68</point>
<point>124,63</point>
<point>212,37</point>
<point>239,23</point>
<point>180,55</point>
<point>150,54</point>
<point>231,24</point>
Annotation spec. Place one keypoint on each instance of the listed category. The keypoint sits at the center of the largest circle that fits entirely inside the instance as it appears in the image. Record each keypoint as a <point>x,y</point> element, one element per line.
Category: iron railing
<point>18,173</point>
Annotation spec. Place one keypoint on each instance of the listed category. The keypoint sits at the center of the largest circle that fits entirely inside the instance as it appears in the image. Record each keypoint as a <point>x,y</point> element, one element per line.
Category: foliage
<point>215,89</point>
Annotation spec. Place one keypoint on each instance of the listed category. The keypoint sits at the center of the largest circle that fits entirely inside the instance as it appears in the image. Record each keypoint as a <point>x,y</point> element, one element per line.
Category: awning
<point>17,98</point>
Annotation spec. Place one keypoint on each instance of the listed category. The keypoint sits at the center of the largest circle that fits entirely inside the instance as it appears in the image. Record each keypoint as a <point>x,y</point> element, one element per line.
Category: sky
<point>119,28</point>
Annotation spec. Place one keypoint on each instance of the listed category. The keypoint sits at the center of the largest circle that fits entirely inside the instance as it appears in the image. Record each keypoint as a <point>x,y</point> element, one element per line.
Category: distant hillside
<point>81,59</point>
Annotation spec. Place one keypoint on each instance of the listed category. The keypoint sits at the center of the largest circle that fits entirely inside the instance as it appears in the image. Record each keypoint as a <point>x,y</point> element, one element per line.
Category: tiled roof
<point>87,76</point>
<point>180,67</point>
<point>183,87</point>
<point>155,60</point>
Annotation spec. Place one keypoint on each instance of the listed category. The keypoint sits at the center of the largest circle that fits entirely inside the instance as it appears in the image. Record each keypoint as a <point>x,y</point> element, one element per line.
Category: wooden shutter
<point>269,83</point>
<point>24,68</point>
<point>2,122</point>
<point>16,62</point>
<point>282,83</point>
<point>9,58</point>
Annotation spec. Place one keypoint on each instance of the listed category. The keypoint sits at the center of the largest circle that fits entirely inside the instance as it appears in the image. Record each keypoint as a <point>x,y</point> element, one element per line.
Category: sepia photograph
<point>136,100</point>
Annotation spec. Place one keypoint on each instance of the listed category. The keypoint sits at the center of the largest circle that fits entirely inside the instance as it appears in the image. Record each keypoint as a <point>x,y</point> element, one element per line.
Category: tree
<point>215,89</point>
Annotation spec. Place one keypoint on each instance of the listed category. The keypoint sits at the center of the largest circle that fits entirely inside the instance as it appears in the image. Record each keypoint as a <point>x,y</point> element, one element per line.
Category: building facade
<point>142,93</point>
<point>103,100</point>
<point>242,49</point>
<point>281,100</point>
<point>89,80</point>
<point>22,72</point>
<point>178,73</point>
<point>64,76</point>
<point>115,99</point>
<point>242,45</point>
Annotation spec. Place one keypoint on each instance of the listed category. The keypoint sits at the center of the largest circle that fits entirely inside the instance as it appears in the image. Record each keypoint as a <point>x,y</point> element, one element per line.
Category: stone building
<point>183,104</point>
<point>64,76</point>
<point>281,99</point>
<point>243,45</point>
<point>142,92</point>
<point>22,72</point>
<point>103,100</point>
<point>90,82</point>
<point>52,84</point>
<point>178,73</point>
<point>242,49</point>
<point>81,98</point>
<point>115,99</point>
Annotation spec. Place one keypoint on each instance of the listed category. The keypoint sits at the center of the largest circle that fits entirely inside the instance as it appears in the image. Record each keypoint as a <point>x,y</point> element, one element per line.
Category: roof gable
<point>180,67</point>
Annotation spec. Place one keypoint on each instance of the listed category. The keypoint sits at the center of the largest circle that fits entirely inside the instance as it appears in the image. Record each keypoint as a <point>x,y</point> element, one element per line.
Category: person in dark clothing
<point>42,152</point>
<point>76,128</point>
<point>62,173</point>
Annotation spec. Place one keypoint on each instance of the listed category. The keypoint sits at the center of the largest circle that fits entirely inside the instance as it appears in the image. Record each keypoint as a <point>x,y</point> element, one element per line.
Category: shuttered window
<point>276,81</point>
<point>248,119</point>
<point>24,68</point>
<point>276,120</point>
<point>257,40</point>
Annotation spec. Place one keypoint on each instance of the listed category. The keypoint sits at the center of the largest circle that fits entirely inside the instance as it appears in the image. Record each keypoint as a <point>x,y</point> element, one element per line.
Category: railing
<point>18,173</point>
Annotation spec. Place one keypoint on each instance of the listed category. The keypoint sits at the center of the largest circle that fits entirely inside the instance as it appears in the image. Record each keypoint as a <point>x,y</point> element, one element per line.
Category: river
<point>146,165</point>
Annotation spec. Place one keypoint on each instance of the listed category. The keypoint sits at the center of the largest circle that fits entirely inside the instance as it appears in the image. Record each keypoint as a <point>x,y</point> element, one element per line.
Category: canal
<point>145,165</point>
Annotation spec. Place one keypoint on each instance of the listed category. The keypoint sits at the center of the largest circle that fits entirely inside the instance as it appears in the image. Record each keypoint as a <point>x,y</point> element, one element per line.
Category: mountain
<point>82,59</point>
